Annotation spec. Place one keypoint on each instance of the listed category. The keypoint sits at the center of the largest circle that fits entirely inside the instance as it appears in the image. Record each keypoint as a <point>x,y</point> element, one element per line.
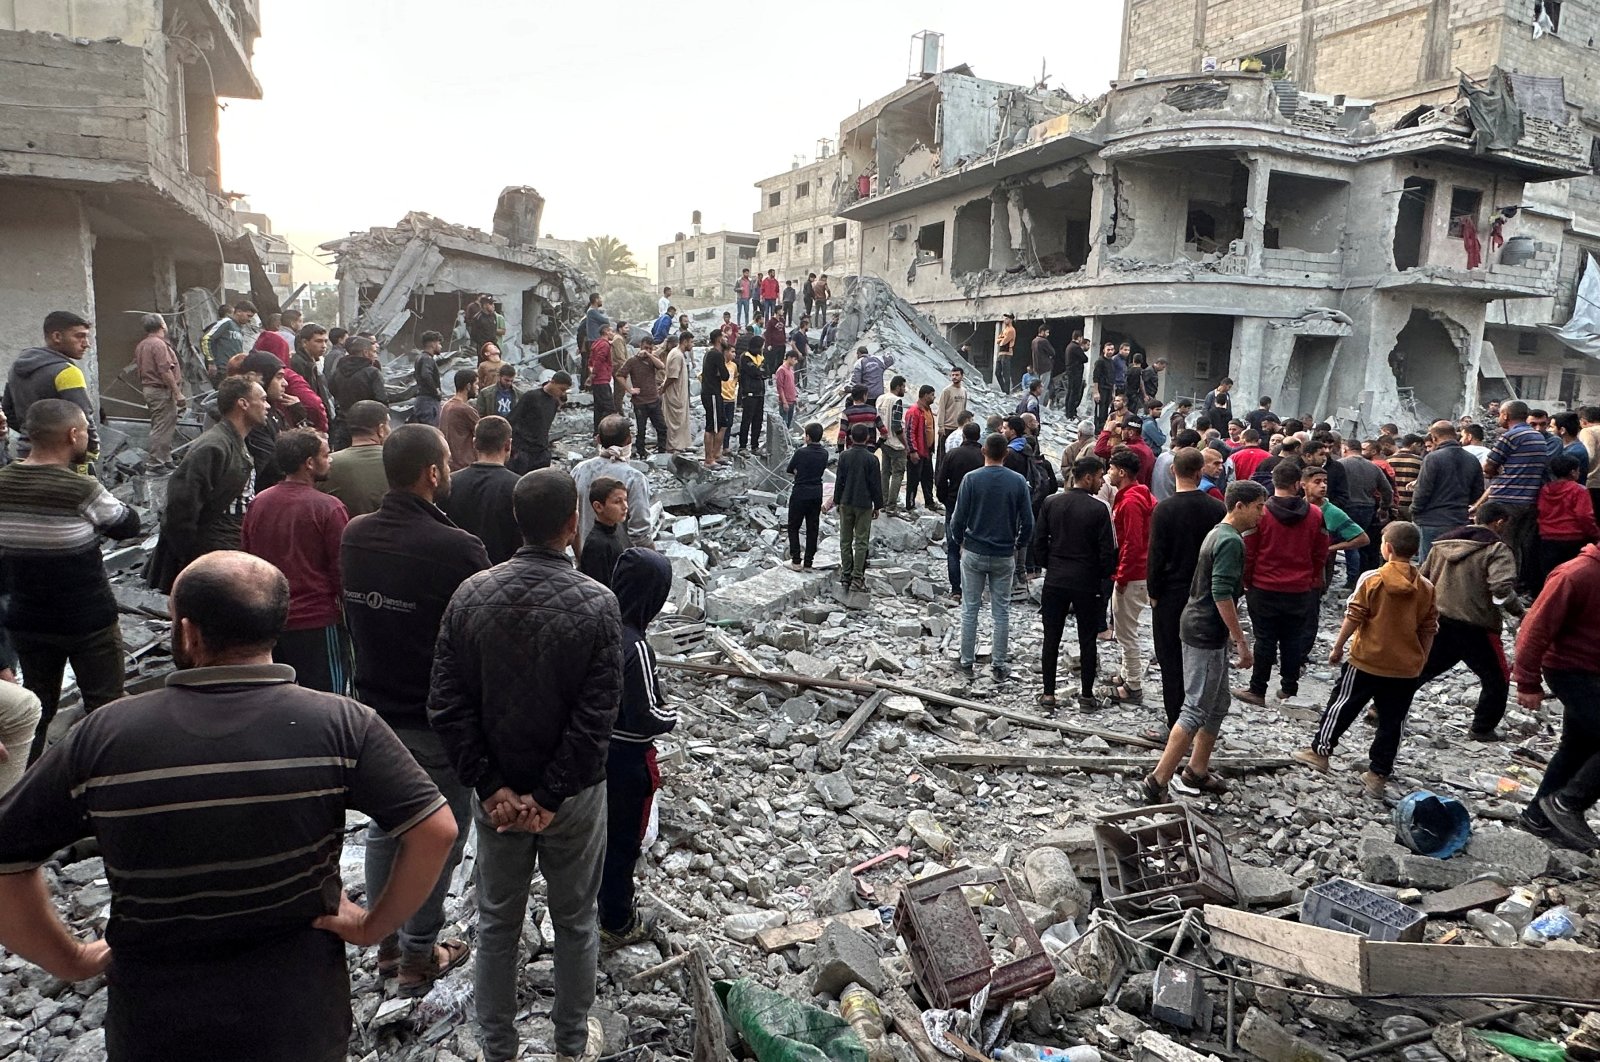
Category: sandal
<point>417,976</point>
<point>1046,700</point>
<point>388,957</point>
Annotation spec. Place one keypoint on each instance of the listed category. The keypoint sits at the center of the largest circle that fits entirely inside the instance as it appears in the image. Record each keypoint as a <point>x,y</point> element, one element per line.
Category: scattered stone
<point>845,955</point>
<point>835,790</point>
<point>1054,883</point>
<point>880,659</point>
<point>1520,853</point>
<point>1262,886</point>
<point>1271,1042</point>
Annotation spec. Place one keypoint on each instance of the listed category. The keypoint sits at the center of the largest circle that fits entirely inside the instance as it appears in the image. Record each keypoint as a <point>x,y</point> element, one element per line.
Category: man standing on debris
<point>745,289</point>
<point>891,409</point>
<point>1448,484</point>
<point>501,398</point>
<point>787,387</point>
<point>620,353</point>
<point>1218,403</point>
<point>400,565</point>
<point>458,417</point>
<point>1283,569</point>
<point>425,370</point>
<point>919,435</point>
<point>356,378</point>
<point>226,337</point>
<point>479,496</point>
<point>600,375</point>
<point>789,295</point>
<point>860,410</point>
<point>307,358</point>
<point>1130,515</point>
<point>1178,528</point>
<point>528,729</point>
<point>806,465</point>
<point>1371,494</point>
<point>869,371</point>
<point>1556,643</point>
<point>531,419</point>
<point>808,296</point>
<point>675,393</point>
<point>1105,382</point>
<point>952,403</point>
<point>820,294</point>
<point>753,397</point>
<point>991,523</point>
<point>52,371</point>
<point>1042,358</point>
<point>58,604</point>
<point>355,474</point>
<point>162,384</point>
<point>296,528</point>
<point>858,494</point>
<point>1004,347</point>
<point>959,460</point>
<point>482,327</point>
<point>613,440</point>
<point>714,372</point>
<point>208,494</point>
<point>1075,360</point>
<point>643,372</point>
<point>1075,543</point>
<point>1516,469</point>
<point>219,802</point>
<point>769,294</point>
<point>1210,621</point>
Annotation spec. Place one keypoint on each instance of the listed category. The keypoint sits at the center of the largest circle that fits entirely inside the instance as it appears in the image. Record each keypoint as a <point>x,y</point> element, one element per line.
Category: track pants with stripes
<point>1351,693</point>
<point>321,657</point>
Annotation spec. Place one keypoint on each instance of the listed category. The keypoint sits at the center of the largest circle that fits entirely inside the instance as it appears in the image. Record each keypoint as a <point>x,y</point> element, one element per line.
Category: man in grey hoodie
<point>52,371</point>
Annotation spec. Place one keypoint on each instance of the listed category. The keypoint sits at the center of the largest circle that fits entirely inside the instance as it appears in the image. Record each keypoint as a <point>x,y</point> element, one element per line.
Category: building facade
<point>272,252</point>
<point>795,218</point>
<point>702,268</point>
<point>110,172</point>
<point>1227,225</point>
<point>1406,56</point>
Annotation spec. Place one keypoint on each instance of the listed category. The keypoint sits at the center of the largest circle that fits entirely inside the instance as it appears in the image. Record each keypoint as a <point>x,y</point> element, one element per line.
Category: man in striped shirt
<point>219,806</point>
<point>1515,469</point>
<point>60,608</point>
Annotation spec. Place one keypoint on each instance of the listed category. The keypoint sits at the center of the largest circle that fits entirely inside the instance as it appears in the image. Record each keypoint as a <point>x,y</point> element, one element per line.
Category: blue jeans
<point>741,312</point>
<point>1428,535</point>
<point>978,570</point>
<point>768,308</point>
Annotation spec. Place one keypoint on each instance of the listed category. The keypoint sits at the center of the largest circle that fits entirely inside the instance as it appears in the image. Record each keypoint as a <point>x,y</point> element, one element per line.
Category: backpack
<point>1041,479</point>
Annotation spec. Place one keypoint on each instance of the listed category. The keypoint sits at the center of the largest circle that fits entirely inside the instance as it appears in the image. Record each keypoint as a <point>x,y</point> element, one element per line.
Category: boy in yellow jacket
<point>1392,618</point>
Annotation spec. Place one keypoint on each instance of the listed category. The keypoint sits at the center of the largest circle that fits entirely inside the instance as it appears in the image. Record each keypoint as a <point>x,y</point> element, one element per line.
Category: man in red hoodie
<point>1126,431</point>
<point>769,294</point>
<point>1130,518</point>
<point>1245,460</point>
<point>1283,566</point>
<point>1556,641</point>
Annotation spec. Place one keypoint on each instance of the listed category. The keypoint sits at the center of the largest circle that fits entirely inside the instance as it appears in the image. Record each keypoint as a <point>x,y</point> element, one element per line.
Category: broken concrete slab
<point>1271,1042</point>
<point>762,595</point>
<point>845,955</point>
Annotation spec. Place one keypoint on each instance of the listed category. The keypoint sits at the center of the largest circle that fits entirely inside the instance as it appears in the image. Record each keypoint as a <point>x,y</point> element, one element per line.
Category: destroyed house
<point>1226,222</point>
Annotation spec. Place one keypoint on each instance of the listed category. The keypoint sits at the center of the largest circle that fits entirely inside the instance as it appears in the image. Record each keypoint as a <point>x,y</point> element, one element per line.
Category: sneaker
<point>1088,703</point>
<point>1153,792</point>
<point>965,671</point>
<point>1001,674</point>
<point>1285,695</point>
<point>1250,696</point>
<point>593,1049</point>
<point>795,566</point>
<point>1373,784</point>
<point>1569,824</point>
<point>639,929</point>
<point>1200,783</point>
<point>1311,758</point>
<point>1539,827</point>
<point>1484,735</point>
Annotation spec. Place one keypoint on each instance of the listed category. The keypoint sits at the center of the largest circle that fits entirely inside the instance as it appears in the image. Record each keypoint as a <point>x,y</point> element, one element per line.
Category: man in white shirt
<point>664,303</point>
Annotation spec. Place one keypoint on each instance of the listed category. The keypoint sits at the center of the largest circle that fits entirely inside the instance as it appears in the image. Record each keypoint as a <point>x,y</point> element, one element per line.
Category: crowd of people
<point>430,624</point>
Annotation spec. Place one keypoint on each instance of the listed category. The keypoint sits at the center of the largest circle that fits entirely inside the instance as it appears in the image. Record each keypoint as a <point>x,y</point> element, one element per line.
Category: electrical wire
<point>1314,994</point>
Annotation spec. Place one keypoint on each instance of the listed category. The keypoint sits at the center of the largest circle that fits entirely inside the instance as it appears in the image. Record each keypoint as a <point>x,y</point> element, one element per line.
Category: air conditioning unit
<point>900,232</point>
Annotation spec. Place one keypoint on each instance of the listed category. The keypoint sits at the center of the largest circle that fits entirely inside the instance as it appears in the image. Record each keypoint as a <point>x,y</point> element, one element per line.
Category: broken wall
<point>46,266</point>
<point>1437,360</point>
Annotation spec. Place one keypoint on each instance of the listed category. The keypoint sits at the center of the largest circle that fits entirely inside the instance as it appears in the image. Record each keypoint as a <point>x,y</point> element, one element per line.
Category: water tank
<point>927,53</point>
<point>1517,251</point>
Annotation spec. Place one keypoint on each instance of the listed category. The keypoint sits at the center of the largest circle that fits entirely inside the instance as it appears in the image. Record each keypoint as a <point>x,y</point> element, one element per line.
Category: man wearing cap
<point>501,399</point>
<point>1126,431</point>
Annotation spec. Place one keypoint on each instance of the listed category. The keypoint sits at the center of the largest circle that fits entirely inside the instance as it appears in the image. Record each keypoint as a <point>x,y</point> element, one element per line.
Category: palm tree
<point>607,257</point>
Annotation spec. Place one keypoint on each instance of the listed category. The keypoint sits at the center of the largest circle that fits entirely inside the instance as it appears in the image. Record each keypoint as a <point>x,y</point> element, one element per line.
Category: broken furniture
<point>949,958</point>
<point>1154,857</point>
<point>1378,967</point>
<point>1346,906</point>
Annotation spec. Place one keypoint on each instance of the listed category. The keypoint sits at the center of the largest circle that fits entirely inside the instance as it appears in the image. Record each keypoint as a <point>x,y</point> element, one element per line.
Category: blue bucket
<point>1432,825</point>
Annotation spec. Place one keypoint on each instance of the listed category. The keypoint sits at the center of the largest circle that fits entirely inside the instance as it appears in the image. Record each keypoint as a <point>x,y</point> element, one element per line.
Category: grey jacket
<point>1450,480</point>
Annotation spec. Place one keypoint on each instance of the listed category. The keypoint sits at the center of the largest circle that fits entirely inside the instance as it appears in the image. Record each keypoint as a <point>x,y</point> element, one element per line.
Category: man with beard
<point>296,528</point>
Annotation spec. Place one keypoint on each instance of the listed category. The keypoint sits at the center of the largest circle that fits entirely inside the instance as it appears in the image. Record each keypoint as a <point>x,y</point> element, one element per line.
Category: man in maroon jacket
<point>1126,431</point>
<point>1556,640</point>
<point>1283,566</point>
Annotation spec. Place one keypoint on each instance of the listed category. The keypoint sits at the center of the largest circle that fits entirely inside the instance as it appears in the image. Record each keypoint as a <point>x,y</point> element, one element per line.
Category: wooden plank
<point>1429,969</point>
<point>710,1034</point>
<point>1324,955</point>
<point>771,940</point>
<point>736,653</point>
<point>1094,763</point>
<point>830,754</point>
<point>783,677</point>
<point>1463,898</point>
<point>1020,718</point>
<point>907,1020</point>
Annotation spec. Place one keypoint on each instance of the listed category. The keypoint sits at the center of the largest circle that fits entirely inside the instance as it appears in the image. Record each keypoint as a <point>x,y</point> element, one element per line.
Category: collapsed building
<point>421,274</point>
<point>1226,222</point>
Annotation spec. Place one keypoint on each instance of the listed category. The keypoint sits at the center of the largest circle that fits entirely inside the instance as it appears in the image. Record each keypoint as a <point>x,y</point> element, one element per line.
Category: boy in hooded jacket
<point>641,582</point>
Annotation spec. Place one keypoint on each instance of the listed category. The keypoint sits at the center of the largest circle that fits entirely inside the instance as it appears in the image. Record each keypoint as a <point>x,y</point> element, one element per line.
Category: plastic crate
<point>1351,908</point>
<point>1152,857</point>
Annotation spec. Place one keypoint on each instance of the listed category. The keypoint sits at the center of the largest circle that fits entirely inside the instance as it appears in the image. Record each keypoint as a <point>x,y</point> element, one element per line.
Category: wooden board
<point>831,752</point>
<point>771,940</point>
<point>1094,763</point>
<point>1463,898</point>
<point>1487,971</point>
<point>1021,718</point>
<point>1324,955</point>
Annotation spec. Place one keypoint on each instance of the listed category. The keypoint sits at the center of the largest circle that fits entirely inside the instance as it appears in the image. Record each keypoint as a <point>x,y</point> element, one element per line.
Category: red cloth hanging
<point>1469,240</point>
<point>1497,237</point>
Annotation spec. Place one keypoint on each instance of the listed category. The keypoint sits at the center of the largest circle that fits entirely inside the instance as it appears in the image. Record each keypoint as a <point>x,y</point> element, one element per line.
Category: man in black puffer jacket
<point>527,678</point>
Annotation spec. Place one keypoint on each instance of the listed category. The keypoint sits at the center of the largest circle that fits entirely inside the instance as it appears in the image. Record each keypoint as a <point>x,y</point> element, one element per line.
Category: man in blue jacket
<point>992,519</point>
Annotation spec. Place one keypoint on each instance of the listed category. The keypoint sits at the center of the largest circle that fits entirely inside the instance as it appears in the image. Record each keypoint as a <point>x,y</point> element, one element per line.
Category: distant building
<point>111,194</point>
<point>701,268</point>
<point>273,252</point>
<point>796,221</point>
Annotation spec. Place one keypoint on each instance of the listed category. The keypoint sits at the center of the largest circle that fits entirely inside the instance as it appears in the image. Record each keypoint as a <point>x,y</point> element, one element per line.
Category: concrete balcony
<point>227,38</point>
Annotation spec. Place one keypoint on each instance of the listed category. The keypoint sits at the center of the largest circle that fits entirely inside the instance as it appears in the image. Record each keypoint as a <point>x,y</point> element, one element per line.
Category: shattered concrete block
<point>844,955</point>
<point>906,628</point>
<point>835,790</point>
<point>815,613</point>
<point>810,666</point>
<point>761,596</point>
<point>1262,886</point>
<point>968,719</point>
<point>1522,854</point>
<point>898,579</point>
<point>686,529</point>
<point>1271,1042</point>
<point>1054,883</point>
<point>837,896</point>
<point>1151,1046</point>
<point>904,706</point>
<point>800,710</point>
<point>879,659</point>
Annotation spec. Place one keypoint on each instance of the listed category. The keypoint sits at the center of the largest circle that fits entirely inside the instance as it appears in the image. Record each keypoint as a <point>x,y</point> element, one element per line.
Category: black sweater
<point>1074,540</point>
<point>957,463</point>
<point>1177,528</point>
<point>807,465</point>
<point>480,504</point>
<point>401,565</point>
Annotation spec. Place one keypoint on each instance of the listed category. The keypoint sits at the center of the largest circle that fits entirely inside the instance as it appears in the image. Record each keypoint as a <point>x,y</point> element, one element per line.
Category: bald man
<point>219,806</point>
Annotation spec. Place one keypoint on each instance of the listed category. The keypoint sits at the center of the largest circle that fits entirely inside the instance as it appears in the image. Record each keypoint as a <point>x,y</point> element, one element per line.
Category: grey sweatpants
<point>568,854</point>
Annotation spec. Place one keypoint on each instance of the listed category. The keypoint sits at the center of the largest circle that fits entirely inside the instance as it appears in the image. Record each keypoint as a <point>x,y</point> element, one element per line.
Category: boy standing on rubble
<point>1393,617</point>
<point>641,582</point>
<point>1209,622</point>
<point>858,493</point>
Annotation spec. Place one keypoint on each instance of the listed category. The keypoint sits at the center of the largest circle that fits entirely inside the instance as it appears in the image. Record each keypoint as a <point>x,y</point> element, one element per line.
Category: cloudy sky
<point>626,116</point>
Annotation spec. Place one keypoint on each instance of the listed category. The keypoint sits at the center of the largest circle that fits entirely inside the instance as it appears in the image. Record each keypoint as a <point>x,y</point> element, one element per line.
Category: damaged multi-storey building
<point>421,275</point>
<point>111,195</point>
<point>1225,221</point>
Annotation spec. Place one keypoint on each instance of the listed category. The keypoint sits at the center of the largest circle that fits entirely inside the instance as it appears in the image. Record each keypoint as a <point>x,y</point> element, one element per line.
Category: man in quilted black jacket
<point>527,678</point>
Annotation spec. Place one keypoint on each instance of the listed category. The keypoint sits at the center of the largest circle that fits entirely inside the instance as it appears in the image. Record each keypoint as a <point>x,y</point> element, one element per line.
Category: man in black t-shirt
<point>219,806</point>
